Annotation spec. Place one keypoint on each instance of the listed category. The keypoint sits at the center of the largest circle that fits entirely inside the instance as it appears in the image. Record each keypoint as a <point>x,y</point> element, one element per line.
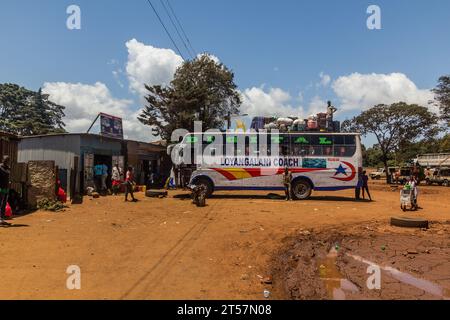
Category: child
<point>129,184</point>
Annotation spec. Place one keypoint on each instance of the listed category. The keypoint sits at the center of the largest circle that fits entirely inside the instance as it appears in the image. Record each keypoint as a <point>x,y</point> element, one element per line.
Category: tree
<point>25,112</point>
<point>442,92</point>
<point>202,90</point>
<point>394,126</point>
<point>373,157</point>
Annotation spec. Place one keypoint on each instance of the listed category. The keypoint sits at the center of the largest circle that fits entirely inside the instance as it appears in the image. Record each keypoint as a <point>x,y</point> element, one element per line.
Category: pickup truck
<point>440,176</point>
<point>381,173</point>
<point>377,175</point>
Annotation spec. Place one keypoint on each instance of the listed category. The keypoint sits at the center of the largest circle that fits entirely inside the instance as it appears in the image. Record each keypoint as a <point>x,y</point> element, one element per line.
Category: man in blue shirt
<point>98,172</point>
<point>104,177</point>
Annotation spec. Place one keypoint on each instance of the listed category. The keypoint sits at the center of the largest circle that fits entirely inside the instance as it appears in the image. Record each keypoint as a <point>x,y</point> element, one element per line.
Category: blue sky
<point>277,49</point>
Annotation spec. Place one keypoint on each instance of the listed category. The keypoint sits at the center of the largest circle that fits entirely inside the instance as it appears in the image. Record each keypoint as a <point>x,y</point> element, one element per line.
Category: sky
<point>289,56</point>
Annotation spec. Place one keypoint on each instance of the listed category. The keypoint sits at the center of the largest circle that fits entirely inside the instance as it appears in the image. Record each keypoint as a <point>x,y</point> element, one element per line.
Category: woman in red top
<point>129,184</point>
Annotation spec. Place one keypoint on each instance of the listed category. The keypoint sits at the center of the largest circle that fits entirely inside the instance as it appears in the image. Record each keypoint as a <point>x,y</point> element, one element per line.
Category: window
<point>344,145</point>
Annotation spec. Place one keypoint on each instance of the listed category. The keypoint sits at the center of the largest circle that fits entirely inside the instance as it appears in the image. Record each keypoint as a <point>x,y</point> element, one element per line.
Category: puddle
<point>335,284</point>
<point>409,279</point>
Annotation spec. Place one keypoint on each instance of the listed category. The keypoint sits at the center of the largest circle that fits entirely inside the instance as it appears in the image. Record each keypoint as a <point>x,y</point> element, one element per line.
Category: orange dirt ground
<point>170,249</point>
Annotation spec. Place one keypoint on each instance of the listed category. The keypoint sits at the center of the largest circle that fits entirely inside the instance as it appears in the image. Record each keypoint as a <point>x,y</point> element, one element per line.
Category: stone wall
<point>41,180</point>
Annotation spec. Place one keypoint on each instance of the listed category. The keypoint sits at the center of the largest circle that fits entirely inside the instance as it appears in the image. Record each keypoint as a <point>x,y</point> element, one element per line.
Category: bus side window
<point>340,151</point>
<point>247,147</point>
<point>350,151</point>
<point>252,146</point>
<point>339,140</point>
<point>299,145</point>
<point>350,140</point>
<point>285,146</point>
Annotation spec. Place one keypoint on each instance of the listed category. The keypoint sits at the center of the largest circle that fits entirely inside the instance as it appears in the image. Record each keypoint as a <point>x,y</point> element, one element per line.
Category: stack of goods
<point>312,123</point>
<point>299,125</point>
<point>322,121</point>
<point>259,123</point>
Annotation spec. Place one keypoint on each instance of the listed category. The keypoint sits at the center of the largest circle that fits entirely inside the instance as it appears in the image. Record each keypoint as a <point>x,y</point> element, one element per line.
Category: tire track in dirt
<point>162,267</point>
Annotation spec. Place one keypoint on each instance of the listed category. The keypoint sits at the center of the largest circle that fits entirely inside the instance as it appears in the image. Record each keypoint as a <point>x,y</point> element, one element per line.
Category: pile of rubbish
<point>50,205</point>
<point>321,122</point>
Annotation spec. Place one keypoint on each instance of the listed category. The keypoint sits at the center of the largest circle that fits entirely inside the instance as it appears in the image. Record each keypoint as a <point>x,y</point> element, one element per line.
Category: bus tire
<point>301,189</point>
<point>445,183</point>
<point>207,183</point>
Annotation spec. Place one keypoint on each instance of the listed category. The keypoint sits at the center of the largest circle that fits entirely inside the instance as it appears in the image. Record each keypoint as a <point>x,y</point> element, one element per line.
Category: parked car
<point>376,175</point>
<point>407,172</point>
<point>381,173</point>
<point>440,176</point>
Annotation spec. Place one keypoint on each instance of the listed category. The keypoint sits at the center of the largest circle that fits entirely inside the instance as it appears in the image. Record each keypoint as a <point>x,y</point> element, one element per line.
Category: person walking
<point>287,182</point>
<point>129,184</point>
<point>104,177</point>
<point>365,185</point>
<point>98,171</point>
<point>412,184</point>
<point>4,188</point>
<point>116,177</point>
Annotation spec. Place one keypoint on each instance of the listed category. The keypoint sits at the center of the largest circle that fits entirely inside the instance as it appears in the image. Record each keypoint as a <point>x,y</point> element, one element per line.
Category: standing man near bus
<point>365,185</point>
<point>4,188</point>
<point>287,181</point>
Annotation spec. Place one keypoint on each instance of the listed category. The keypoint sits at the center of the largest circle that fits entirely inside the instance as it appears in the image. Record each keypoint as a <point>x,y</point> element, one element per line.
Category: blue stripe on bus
<point>334,188</point>
<point>250,188</point>
<point>281,188</point>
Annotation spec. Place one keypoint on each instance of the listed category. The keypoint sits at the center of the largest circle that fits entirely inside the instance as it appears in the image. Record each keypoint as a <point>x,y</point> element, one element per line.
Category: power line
<point>167,31</point>
<point>181,27</point>
<point>176,28</point>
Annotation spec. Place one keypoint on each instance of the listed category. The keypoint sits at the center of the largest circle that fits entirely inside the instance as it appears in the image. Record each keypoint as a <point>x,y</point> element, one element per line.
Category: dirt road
<point>169,249</point>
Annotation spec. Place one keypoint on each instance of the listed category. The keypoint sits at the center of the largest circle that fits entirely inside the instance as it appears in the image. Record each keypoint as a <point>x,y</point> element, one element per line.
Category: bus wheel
<point>301,189</point>
<point>207,184</point>
<point>445,183</point>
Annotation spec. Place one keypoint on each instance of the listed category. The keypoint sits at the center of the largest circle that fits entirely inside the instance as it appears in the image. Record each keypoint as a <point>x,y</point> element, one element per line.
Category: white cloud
<point>84,102</point>
<point>325,80</point>
<point>149,65</point>
<point>273,102</point>
<point>211,56</point>
<point>361,91</point>
<point>316,105</point>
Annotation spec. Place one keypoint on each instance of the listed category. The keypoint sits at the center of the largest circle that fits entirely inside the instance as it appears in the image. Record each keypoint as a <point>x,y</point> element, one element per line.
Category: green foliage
<point>395,126</point>
<point>442,92</point>
<point>25,112</point>
<point>373,157</point>
<point>202,90</point>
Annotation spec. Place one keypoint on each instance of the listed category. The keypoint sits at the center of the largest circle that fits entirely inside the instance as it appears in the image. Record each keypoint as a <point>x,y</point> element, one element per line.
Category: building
<point>75,155</point>
<point>9,147</point>
<point>147,159</point>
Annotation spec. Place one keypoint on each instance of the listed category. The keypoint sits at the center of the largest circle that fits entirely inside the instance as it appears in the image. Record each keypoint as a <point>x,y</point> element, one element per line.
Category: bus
<point>257,161</point>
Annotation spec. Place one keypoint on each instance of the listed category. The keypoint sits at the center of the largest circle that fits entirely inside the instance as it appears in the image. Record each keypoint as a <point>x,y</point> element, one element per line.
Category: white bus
<point>247,161</point>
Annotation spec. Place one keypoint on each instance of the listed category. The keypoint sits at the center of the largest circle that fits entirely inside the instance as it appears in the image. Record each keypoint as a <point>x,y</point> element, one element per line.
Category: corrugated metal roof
<point>155,144</point>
